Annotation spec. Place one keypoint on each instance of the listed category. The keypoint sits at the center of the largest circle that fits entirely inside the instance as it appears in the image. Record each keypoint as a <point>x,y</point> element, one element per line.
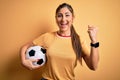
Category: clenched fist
<point>92,31</point>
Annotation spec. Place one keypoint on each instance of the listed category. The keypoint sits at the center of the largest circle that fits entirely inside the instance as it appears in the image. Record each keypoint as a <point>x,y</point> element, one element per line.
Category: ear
<point>43,50</point>
<point>73,17</point>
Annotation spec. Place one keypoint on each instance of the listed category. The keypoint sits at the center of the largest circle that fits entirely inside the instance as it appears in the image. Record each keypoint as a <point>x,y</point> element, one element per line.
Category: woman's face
<point>64,19</point>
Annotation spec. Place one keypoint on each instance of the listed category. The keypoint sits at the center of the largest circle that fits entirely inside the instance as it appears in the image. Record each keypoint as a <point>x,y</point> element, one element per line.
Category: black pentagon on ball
<point>40,61</point>
<point>31,53</point>
<point>43,50</point>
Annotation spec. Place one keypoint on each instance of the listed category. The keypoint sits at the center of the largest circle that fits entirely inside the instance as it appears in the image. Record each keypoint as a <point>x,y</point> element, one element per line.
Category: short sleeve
<point>85,48</point>
<point>44,40</point>
<point>39,40</point>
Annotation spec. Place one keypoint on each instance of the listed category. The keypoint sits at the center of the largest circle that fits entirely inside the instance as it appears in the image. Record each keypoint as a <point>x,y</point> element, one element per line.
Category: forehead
<point>64,10</point>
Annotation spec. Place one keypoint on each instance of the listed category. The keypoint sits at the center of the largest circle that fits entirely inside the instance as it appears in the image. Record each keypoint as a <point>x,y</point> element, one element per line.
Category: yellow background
<point>23,20</point>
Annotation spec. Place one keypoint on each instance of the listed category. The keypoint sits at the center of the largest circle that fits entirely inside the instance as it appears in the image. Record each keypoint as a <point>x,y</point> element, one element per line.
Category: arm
<point>26,62</point>
<point>92,59</point>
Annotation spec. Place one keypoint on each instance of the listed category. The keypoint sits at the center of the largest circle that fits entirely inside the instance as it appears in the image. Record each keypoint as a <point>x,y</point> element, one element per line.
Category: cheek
<point>58,20</point>
<point>70,21</point>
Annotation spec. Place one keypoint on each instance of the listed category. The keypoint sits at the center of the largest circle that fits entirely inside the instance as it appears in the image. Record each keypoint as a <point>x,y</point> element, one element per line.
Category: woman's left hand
<point>92,31</point>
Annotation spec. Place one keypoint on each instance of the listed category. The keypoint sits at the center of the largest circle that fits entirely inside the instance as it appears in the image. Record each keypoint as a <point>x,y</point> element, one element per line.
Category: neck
<point>64,34</point>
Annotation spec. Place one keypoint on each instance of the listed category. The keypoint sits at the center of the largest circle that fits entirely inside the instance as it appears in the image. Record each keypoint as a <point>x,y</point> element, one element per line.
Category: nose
<point>63,18</point>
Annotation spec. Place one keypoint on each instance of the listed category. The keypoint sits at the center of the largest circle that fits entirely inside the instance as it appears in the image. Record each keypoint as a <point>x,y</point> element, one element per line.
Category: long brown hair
<point>74,36</point>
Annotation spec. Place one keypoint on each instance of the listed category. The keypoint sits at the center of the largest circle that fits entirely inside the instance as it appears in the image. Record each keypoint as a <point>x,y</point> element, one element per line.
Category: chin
<point>63,29</point>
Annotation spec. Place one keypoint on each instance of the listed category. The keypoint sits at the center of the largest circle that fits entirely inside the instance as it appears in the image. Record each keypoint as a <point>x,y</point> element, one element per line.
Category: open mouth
<point>63,24</point>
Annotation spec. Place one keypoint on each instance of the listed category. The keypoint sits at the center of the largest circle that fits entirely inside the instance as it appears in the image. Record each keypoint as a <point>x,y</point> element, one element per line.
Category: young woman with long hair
<point>64,48</point>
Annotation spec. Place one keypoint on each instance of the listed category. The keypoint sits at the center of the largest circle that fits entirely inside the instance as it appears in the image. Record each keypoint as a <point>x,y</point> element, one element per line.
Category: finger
<point>93,28</point>
<point>90,26</point>
<point>33,60</point>
<point>36,66</point>
<point>89,31</point>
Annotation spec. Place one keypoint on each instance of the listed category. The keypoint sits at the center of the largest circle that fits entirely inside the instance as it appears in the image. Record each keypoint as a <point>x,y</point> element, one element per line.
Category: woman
<point>64,48</point>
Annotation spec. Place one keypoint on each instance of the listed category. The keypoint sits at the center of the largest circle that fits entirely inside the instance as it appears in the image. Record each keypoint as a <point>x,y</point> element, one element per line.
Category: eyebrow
<point>65,13</point>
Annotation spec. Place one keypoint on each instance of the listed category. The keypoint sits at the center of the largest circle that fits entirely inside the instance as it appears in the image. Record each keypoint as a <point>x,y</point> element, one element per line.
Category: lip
<point>63,24</point>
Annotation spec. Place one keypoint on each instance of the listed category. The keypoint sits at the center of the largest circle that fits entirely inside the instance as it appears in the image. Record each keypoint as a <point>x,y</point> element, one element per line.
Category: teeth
<point>64,24</point>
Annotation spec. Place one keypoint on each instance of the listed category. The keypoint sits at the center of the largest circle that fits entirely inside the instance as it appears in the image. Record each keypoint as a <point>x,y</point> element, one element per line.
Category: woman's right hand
<point>27,62</point>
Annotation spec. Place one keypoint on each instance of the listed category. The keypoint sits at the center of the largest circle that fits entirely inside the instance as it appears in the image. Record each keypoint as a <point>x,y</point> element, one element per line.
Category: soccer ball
<point>36,53</point>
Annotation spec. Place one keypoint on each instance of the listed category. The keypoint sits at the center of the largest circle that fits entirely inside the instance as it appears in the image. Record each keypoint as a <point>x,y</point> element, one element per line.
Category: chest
<point>61,49</point>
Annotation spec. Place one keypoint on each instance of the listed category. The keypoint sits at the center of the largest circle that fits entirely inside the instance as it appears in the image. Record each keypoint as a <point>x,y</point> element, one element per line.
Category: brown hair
<point>74,36</point>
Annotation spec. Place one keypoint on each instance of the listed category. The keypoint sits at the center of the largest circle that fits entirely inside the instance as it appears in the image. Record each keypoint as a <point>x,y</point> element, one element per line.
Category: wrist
<point>94,41</point>
<point>95,45</point>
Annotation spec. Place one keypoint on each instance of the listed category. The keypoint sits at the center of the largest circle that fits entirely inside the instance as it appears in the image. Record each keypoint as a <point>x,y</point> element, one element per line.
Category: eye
<point>59,15</point>
<point>67,15</point>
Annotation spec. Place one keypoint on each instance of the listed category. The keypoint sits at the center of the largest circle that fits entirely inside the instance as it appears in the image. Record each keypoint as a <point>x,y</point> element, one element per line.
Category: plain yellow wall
<point>23,20</point>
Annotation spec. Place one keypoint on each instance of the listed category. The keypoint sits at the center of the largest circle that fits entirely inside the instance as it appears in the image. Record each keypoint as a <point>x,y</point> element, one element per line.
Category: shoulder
<point>48,34</point>
<point>82,40</point>
<point>84,45</point>
<point>44,39</point>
